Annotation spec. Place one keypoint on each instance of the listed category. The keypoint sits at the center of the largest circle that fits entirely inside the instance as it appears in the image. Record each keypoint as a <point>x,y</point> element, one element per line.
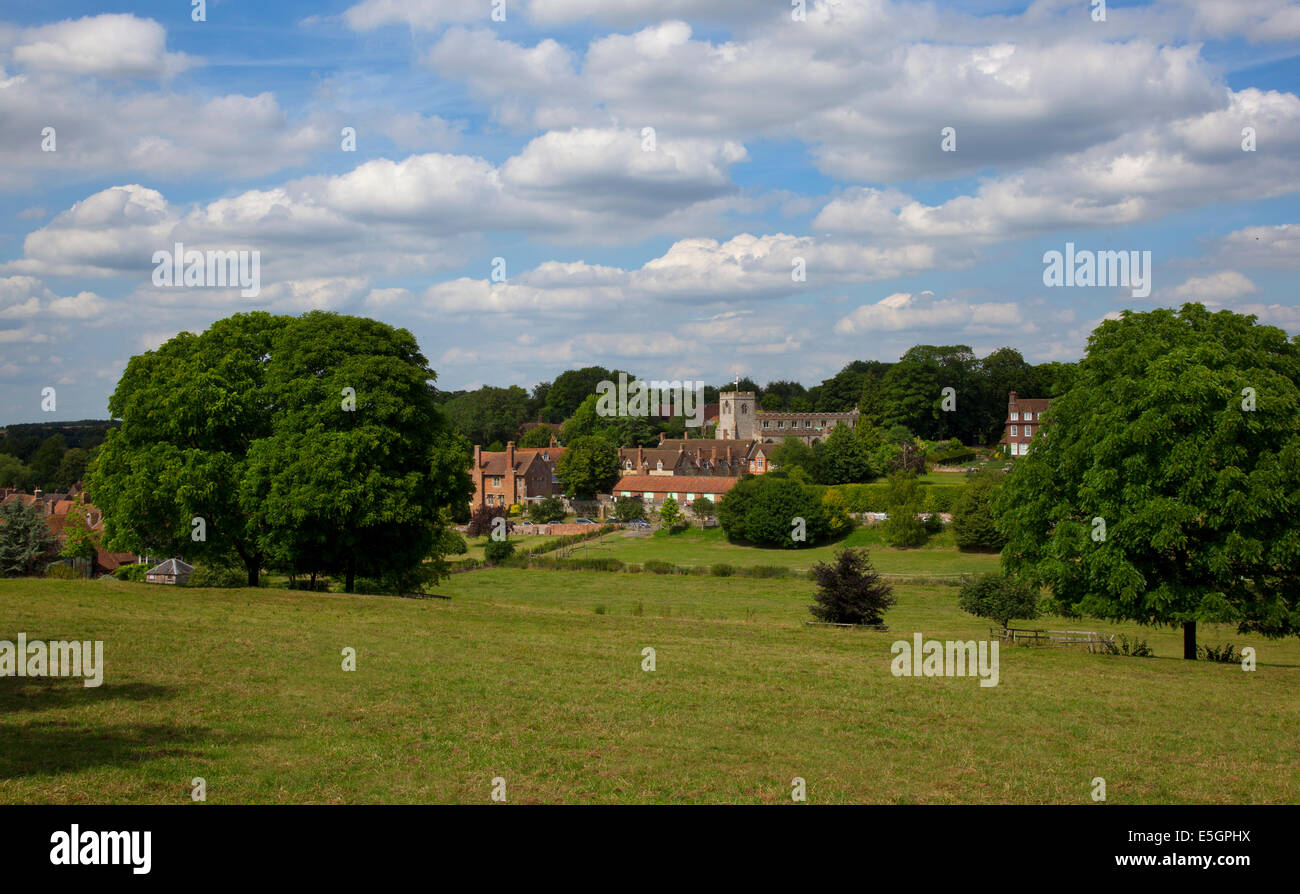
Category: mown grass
<point>710,546</point>
<point>535,676</point>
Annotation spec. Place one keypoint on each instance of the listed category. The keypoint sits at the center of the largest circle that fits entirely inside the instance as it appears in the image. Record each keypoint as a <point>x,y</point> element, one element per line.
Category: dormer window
<point>1015,417</point>
<point>659,466</point>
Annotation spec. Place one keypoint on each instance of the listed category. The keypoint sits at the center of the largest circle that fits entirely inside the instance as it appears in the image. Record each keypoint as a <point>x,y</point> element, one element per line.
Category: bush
<point>1137,648</point>
<point>942,499</point>
<point>546,510</point>
<point>671,516</point>
<point>133,572</point>
<point>217,576</point>
<point>850,590</point>
<point>999,598</point>
<point>497,551</point>
<point>721,569</point>
<point>763,509</point>
<point>657,567</point>
<point>972,518</point>
<point>481,521</point>
<point>628,509</point>
<point>1227,654</point>
<point>65,572</point>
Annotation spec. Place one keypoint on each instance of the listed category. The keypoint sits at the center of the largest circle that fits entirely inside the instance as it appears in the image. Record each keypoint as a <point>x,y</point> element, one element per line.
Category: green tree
<point>703,508</point>
<point>13,473</point>
<point>536,437</point>
<point>72,468</point>
<point>628,509</point>
<point>1167,488</point>
<point>190,411</point>
<point>79,541</point>
<point>572,387</point>
<point>850,590</point>
<point>489,414</point>
<point>774,511</point>
<point>671,515</point>
<point>359,454</point>
<point>793,453</point>
<point>973,526</point>
<point>44,463</point>
<point>999,598</point>
<point>588,467</point>
<point>843,458</point>
<point>26,543</point>
<point>904,501</point>
<point>912,392</point>
<point>547,509</point>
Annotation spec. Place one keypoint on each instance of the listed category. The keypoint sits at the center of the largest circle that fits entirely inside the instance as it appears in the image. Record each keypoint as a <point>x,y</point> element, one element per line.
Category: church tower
<point>736,415</point>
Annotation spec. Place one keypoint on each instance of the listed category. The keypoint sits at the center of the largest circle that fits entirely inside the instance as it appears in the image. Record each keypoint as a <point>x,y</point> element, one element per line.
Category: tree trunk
<point>350,579</point>
<point>253,572</point>
<point>1189,640</point>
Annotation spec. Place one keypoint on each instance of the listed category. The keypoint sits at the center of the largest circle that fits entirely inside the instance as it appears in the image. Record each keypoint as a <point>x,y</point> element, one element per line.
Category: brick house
<point>653,489</point>
<point>1024,416</point>
<point>510,476</point>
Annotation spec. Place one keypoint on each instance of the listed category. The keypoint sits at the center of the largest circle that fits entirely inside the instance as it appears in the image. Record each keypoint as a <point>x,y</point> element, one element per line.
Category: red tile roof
<point>676,484</point>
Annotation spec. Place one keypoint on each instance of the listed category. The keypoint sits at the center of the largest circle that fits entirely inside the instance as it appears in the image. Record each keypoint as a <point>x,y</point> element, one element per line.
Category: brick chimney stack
<point>639,460</point>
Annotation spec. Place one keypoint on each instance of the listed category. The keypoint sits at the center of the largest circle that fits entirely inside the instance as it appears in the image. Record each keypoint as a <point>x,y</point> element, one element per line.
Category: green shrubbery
<point>497,551</point>
<point>134,572</point>
<point>217,576</point>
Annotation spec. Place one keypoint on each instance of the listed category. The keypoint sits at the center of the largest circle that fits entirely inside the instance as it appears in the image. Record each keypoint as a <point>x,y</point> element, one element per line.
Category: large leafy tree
<point>490,414</point>
<point>360,461</point>
<point>190,412</point>
<point>1198,489</point>
<point>772,511</point>
<point>912,392</point>
<point>973,525</point>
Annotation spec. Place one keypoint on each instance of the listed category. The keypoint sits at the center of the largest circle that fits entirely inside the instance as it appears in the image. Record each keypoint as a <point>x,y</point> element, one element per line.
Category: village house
<point>514,476</point>
<point>694,456</point>
<point>1024,417</point>
<point>173,572</point>
<point>57,509</point>
<point>654,489</point>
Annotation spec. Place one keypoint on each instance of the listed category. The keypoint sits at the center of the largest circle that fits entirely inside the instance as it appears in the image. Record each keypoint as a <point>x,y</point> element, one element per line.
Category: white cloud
<point>109,45</point>
<point>905,310</point>
<point>1225,285</point>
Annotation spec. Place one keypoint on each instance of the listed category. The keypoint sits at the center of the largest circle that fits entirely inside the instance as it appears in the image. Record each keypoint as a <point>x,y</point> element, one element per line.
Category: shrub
<point>721,569</point>
<point>480,522</point>
<point>656,566</point>
<point>671,516</point>
<point>850,590</point>
<point>1227,654</point>
<point>999,598</point>
<point>1137,648</point>
<point>546,510</point>
<point>26,544</point>
<point>628,509</point>
<point>60,571</point>
<point>132,572</point>
<point>217,576</point>
<point>497,551</point>
<point>942,499</point>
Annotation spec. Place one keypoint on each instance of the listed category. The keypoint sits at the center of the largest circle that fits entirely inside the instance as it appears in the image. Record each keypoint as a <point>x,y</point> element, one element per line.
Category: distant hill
<point>22,439</point>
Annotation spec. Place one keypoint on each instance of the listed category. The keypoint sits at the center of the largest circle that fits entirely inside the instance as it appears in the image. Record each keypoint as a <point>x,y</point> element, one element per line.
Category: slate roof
<point>171,566</point>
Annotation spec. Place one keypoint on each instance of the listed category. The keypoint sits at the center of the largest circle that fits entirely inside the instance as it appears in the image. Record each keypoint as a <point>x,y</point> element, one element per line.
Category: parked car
<point>639,523</point>
<point>583,521</point>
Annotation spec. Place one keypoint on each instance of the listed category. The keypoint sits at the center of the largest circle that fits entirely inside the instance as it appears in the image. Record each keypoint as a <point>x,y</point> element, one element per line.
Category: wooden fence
<point>1019,636</point>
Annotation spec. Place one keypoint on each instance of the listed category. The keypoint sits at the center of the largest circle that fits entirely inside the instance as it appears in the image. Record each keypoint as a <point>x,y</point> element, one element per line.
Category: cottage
<point>173,571</point>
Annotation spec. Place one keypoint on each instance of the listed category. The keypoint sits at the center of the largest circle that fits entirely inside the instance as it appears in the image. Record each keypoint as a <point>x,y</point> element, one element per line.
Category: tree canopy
<point>1166,489</point>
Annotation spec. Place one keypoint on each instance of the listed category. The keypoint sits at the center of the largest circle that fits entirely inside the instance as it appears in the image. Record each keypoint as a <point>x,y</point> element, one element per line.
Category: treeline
<point>49,455</point>
<point>904,398</point>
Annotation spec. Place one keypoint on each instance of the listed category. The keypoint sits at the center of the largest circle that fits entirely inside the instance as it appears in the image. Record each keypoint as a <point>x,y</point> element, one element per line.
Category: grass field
<point>710,546</point>
<point>535,676</point>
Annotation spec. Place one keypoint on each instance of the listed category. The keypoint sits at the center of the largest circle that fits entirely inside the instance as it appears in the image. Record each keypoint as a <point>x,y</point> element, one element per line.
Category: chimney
<point>478,462</point>
<point>1013,397</point>
<point>639,461</point>
<point>661,438</point>
<point>510,456</point>
<point>554,443</point>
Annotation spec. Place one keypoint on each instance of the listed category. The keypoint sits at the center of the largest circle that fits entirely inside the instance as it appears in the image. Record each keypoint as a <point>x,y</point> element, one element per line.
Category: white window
<point>496,481</point>
<point>690,497</point>
<point>627,493</point>
<point>1015,417</point>
<point>1015,431</point>
<point>649,495</point>
<point>1029,430</point>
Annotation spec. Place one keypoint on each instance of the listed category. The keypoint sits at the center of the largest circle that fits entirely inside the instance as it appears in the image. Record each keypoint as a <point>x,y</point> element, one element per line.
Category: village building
<point>514,476</point>
<point>654,489</point>
<point>1024,418</point>
<point>56,508</point>
<point>173,572</point>
<point>740,418</point>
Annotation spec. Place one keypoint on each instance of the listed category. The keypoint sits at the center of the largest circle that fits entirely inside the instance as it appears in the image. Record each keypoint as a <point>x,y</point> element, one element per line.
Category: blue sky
<point>774,140</point>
